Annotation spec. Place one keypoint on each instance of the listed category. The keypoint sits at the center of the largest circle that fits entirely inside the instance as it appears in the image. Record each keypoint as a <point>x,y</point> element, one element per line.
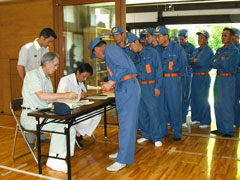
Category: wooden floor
<point>197,156</point>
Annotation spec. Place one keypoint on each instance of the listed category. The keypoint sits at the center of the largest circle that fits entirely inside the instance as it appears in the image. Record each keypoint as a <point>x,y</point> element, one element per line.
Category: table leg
<point>39,146</point>
<point>105,121</point>
<point>68,150</point>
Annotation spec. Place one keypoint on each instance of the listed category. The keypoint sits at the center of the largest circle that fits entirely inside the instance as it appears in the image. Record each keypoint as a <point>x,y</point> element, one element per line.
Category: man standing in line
<point>189,48</point>
<point>37,92</point>
<point>149,70</point>
<point>30,57</point>
<point>237,105</point>
<point>122,75</point>
<point>174,61</point>
<point>150,38</point>
<point>201,65</point>
<point>226,62</point>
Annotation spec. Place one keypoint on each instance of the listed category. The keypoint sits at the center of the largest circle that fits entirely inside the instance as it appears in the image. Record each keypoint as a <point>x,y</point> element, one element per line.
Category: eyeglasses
<point>56,65</point>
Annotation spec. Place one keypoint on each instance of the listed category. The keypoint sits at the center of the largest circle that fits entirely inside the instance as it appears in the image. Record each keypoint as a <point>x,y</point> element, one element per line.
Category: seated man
<point>37,92</point>
<point>75,83</point>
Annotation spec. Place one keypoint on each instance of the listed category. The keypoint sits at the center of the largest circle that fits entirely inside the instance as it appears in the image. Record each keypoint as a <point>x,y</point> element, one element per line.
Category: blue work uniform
<point>133,56</point>
<point>200,108</point>
<point>237,105</point>
<point>173,59</point>
<point>150,75</point>
<point>226,63</point>
<point>189,49</point>
<point>127,92</point>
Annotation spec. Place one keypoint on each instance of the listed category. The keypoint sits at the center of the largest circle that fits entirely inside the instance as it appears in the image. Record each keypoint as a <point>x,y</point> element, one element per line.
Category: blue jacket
<point>189,49</point>
<point>205,55</point>
<point>118,63</point>
<point>173,58</point>
<point>226,60</point>
<point>149,66</point>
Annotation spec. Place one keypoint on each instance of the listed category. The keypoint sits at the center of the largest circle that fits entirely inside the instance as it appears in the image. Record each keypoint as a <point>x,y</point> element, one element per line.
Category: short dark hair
<point>101,43</point>
<point>230,30</point>
<point>84,67</point>
<point>48,32</point>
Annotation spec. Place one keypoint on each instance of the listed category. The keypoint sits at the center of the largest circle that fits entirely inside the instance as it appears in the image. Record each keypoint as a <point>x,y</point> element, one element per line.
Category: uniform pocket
<point>148,68</point>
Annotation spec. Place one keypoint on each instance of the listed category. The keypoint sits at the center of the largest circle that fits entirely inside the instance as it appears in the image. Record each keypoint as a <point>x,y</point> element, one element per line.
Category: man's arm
<point>21,71</point>
<point>59,97</point>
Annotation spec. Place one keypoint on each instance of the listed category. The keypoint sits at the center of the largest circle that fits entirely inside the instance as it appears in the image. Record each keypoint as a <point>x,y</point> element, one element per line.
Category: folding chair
<point>15,106</point>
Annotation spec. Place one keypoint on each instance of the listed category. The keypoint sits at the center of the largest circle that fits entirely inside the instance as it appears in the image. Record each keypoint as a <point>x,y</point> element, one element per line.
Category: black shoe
<point>78,140</point>
<point>215,132</point>
<point>177,139</point>
<point>227,135</point>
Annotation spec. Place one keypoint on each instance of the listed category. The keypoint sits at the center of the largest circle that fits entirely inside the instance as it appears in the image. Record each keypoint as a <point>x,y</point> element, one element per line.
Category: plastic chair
<point>16,105</point>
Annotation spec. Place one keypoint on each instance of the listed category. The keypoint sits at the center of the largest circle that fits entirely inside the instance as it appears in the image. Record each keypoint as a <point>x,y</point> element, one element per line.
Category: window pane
<point>82,23</point>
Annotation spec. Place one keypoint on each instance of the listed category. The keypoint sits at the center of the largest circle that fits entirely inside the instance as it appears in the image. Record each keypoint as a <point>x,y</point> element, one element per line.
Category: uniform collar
<point>42,73</point>
<point>36,44</point>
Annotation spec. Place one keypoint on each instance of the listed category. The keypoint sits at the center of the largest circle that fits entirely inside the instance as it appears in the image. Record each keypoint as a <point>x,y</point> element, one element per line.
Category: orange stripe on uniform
<point>148,68</point>
<point>170,65</point>
<point>109,71</point>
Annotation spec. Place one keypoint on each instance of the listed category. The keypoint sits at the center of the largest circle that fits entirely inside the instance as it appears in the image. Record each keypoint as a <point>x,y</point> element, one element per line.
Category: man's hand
<point>84,95</point>
<point>156,92</point>
<point>106,86</point>
<point>71,95</point>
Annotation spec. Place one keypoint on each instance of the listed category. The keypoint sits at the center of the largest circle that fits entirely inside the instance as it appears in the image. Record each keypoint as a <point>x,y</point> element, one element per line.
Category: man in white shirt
<point>30,57</point>
<point>31,53</point>
<point>75,83</point>
<point>37,92</point>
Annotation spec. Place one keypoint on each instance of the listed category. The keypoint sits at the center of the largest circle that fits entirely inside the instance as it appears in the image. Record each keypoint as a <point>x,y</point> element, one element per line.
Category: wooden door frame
<point>120,19</point>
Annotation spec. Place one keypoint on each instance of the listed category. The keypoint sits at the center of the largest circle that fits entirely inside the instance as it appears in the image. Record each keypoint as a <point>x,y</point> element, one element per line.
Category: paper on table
<point>103,97</point>
<point>109,94</point>
<point>93,87</point>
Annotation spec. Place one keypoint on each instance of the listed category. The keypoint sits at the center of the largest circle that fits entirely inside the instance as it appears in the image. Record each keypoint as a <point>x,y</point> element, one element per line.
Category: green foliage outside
<point>215,32</point>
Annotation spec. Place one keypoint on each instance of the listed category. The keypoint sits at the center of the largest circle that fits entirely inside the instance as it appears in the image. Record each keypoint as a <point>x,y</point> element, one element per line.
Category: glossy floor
<point>198,156</point>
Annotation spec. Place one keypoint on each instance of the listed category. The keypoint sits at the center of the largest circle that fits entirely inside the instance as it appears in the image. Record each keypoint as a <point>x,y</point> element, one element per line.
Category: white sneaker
<point>195,122</point>
<point>158,143</point>
<point>116,166</point>
<point>113,156</point>
<point>238,158</point>
<point>57,164</point>
<point>141,140</point>
<point>184,125</point>
<point>204,126</point>
<point>234,126</point>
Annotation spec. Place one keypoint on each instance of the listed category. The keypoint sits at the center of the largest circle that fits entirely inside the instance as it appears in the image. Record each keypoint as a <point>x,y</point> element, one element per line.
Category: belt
<point>200,73</point>
<point>147,82</point>
<point>224,74</point>
<point>238,70</point>
<point>129,77</point>
<point>171,74</point>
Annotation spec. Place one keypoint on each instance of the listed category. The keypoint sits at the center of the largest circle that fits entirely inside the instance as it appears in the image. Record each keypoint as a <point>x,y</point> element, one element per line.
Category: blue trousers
<point>199,99</point>
<point>149,114</point>
<point>187,80</point>
<point>237,105</point>
<point>127,95</point>
<point>173,101</point>
<point>224,100</point>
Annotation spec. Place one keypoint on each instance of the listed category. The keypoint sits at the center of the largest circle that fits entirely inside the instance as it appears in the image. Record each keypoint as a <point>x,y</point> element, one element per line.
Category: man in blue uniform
<point>150,38</point>
<point>189,48</point>
<point>119,39</point>
<point>201,65</point>
<point>149,70</point>
<point>174,39</point>
<point>237,105</point>
<point>226,62</point>
<point>122,75</point>
<point>174,60</point>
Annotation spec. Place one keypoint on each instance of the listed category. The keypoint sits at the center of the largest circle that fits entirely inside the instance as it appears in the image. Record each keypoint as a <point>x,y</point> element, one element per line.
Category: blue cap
<point>117,30</point>
<point>205,33</point>
<point>236,32</point>
<point>92,44</point>
<point>149,30</point>
<point>160,30</point>
<point>174,39</point>
<point>183,32</point>
<point>130,39</point>
<point>59,109</point>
